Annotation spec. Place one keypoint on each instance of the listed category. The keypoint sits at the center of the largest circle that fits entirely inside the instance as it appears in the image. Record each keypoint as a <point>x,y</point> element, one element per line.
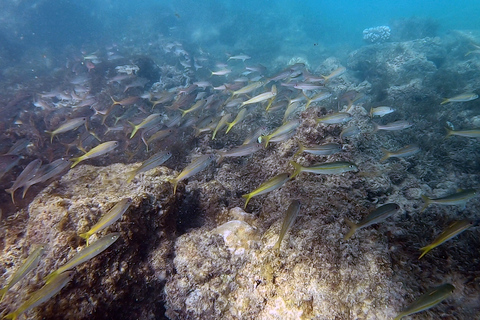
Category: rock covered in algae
<point>130,273</point>
<point>227,269</point>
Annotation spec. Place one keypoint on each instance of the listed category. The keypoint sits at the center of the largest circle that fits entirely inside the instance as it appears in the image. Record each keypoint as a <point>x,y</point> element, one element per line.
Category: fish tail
<point>12,193</point>
<point>85,236</point>
<point>214,134</point>
<point>131,176</point>
<point>424,251</point>
<point>12,316</point>
<point>267,140</point>
<point>229,127</point>
<point>445,101</point>
<point>426,201</point>
<point>220,159</point>
<point>75,161</point>
<point>197,132</point>
<point>353,228</point>
<point>449,132</point>
<point>298,169</point>
<point>301,148</point>
<point>309,101</point>
<point>371,112</point>
<point>247,197</point>
<point>51,134</point>
<point>277,244</point>
<point>145,143</point>
<point>175,184</point>
<point>386,154</point>
<point>134,131</point>
<point>3,292</point>
<point>114,102</point>
<point>25,189</point>
<point>375,127</point>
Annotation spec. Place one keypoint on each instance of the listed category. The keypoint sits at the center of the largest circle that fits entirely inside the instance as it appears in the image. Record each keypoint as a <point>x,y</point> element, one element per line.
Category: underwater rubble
<point>201,252</point>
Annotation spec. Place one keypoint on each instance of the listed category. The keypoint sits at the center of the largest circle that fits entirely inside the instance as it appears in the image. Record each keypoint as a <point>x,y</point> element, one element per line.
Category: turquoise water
<point>221,23</point>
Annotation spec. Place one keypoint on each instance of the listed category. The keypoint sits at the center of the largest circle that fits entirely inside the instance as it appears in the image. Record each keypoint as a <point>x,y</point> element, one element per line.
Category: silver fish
<point>393,126</point>
<point>26,175</point>
<point>154,161</point>
<point>241,151</point>
<point>47,172</point>
<point>379,214</point>
<point>193,168</point>
<point>290,216</point>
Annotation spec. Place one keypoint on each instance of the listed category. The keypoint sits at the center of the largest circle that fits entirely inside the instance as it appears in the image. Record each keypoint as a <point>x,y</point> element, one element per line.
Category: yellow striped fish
<point>269,185</point>
<point>85,254</point>
<point>431,298</point>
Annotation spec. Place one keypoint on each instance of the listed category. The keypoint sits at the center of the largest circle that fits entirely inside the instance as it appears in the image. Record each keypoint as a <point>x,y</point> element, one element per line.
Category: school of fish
<point>138,119</point>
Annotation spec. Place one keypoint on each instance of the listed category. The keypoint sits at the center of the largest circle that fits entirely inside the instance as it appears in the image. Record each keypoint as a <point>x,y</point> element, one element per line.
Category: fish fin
<point>247,199</point>
<point>427,201</point>
<point>12,193</point>
<point>134,131</point>
<point>175,184</point>
<point>75,161</point>
<point>267,140</point>
<point>298,169</point>
<point>114,102</point>
<point>131,176</point>
<point>425,250</point>
<point>3,292</point>
<point>309,101</point>
<point>386,154</point>
<point>220,158</point>
<point>25,189</point>
<point>277,244</point>
<point>300,149</point>
<point>230,126</point>
<point>449,132</point>
<point>353,228</point>
<point>12,315</point>
<point>51,134</point>
<point>85,236</point>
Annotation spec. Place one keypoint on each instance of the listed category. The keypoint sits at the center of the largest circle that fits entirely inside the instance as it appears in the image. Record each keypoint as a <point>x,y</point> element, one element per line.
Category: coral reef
<point>377,34</point>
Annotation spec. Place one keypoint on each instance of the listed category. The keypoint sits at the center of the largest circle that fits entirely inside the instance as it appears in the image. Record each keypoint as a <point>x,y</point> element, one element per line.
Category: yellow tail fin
<point>449,132</point>
<point>427,201</point>
<point>386,154</point>
<point>298,169</point>
<point>353,228</point>
<point>301,148</point>
<point>247,197</point>
<point>425,251</point>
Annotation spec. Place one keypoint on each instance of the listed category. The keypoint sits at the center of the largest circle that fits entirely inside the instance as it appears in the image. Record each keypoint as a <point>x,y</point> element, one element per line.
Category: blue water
<point>256,26</point>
